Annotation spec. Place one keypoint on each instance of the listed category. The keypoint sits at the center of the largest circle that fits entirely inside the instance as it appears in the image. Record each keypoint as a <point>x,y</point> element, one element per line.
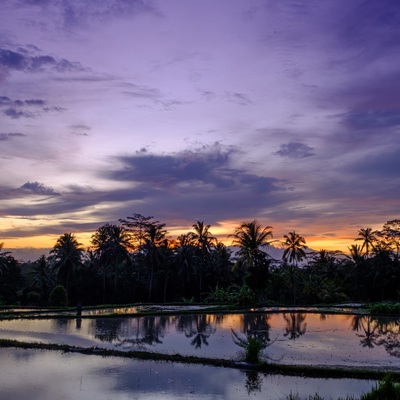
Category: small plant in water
<point>253,347</point>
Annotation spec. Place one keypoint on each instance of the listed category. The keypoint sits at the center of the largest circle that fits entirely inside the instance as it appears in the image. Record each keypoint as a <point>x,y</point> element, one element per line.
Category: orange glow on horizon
<point>340,240</point>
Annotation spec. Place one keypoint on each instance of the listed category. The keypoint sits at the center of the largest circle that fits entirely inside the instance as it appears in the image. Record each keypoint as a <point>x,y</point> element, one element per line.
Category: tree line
<point>136,261</point>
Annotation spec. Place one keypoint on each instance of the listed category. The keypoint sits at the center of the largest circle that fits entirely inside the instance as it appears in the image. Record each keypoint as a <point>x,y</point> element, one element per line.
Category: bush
<point>33,298</point>
<point>58,297</point>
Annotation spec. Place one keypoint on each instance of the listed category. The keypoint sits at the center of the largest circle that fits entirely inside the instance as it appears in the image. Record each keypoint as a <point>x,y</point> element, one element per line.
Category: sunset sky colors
<point>219,111</point>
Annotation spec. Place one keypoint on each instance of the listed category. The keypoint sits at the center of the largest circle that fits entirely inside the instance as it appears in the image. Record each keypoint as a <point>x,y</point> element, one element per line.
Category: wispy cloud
<point>295,150</point>
<point>28,60</point>
<point>30,108</point>
<point>37,188</point>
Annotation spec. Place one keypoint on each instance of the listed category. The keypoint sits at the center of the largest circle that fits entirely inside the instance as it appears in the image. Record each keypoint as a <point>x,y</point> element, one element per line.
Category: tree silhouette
<point>42,275</point>
<point>251,237</point>
<point>111,244</point>
<point>368,237</point>
<point>203,240</point>
<point>295,245</point>
<point>66,257</point>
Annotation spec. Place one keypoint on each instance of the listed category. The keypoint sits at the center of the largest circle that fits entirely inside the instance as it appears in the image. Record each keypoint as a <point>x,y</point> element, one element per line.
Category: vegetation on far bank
<point>135,261</point>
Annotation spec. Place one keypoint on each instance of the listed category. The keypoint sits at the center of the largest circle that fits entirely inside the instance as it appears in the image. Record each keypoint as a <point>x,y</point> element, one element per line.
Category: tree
<point>250,237</point>
<point>294,252</point>
<point>111,244</point>
<point>137,225</point>
<point>294,247</point>
<point>368,236</point>
<point>59,297</point>
<point>186,260</point>
<point>203,240</point>
<point>66,257</point>
<point>11,279</point>
<point>391,233</point>
<point>43,278</point>
<point>154,237</point>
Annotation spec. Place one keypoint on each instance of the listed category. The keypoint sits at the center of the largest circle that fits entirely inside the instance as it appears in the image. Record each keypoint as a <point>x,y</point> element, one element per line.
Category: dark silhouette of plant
<point>368,237</point>
<point>66,257</point>
<point>59,297</point>
<point>111,245</point>
<point>251,237</point>
<point>295,245</point>
<point>203,241</point>
<point>43,278</point>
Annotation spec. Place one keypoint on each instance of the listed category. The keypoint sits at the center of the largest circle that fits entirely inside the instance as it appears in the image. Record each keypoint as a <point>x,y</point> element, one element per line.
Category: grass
<point>387,389</point>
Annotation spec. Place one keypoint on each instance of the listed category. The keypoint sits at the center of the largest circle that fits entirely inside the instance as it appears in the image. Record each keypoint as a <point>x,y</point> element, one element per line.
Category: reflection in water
<point>379,331</point>
<point>329,340</point>
<point>370,331</point>
<point>257,326</point>
<point>46,375</point>
<point>199,327</point>
<point>253,382</point>
<point>295,325</point>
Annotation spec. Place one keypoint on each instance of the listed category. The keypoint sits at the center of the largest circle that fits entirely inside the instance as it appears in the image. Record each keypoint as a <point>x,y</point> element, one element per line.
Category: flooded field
<point>292,337</point>
<point>49,375</point>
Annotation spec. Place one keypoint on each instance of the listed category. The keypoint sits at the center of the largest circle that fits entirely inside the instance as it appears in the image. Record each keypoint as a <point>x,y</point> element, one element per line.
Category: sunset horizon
<point>220,112</point>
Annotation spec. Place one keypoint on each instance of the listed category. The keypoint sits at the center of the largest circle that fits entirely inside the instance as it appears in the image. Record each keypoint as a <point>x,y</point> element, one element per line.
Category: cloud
<point>295,150</point>
<point>239,98</point>
<point>10,136</point>
<point>381,165</point>
<point>372,119</point>
<point>72,14</point>
<point>22,108</point>
<point>38,188</point>
<point>194,183</point>
<point>27,59</point>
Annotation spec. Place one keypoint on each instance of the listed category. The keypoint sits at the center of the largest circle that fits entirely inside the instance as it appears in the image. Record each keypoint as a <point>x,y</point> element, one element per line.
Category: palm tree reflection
<point>198,327</point>
<point>257,326</point>
<point>295,325</point>
<point>370,330</point>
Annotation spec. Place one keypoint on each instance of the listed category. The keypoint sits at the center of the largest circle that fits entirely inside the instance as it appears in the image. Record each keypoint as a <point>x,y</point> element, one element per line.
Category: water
<point>292,338</point>
<point>49,375</point>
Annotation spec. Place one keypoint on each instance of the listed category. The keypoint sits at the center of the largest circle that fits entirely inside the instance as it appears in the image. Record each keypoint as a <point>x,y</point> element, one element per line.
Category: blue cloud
<point>295,150</point>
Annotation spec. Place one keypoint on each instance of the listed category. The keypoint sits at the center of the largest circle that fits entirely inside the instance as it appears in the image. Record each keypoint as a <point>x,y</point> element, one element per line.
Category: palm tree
<point>204,241</point>
<point>355,254</point>
<point>294,247</point>
<point>202,238</point>
<point>186,259</point>
<point>294,253</point>
<point>154,237</point>
<point>111,244</point>
<point>368,236</point>
<point>42,276</point>
<point>66,257</point>
<point>250,237</point>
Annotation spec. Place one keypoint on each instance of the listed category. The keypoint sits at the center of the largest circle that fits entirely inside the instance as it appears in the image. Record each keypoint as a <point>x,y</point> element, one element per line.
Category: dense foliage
<point>136,261</point>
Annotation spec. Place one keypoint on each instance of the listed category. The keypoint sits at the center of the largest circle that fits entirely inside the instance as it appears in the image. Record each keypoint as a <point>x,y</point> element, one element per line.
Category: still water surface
<point>292,338</point>
<point>48,375</point>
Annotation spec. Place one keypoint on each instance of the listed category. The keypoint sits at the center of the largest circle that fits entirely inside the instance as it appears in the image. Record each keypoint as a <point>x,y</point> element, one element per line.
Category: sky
<point>287,112</point>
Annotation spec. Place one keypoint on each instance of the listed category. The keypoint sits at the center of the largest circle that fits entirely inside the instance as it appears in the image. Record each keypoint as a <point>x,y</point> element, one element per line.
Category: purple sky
<point>222,111</point>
